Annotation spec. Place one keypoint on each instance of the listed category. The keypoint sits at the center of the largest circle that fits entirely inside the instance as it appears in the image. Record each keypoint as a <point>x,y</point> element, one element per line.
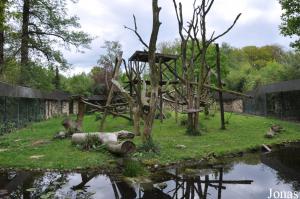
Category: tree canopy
<point>290,25</point>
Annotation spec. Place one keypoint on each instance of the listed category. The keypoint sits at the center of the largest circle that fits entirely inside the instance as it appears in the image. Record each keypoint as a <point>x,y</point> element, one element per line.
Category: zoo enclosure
<point>280,100</point>
<point>21,105</point>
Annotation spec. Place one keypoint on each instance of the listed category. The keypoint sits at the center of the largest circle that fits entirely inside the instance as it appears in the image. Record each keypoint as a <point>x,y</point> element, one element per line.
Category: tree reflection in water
<point>49,185</point>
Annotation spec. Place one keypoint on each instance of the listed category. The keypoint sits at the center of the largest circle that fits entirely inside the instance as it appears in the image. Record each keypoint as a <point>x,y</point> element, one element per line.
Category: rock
<point>3,150</point>
<point>60,135</point>
<point>276,128</point>
<point>39,142</point>
<point>180,146</point>
<point>36,157</point>
<point>270,134</point>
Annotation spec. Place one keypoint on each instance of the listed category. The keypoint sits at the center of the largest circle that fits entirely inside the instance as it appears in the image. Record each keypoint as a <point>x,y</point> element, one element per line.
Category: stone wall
<point>235,106</point>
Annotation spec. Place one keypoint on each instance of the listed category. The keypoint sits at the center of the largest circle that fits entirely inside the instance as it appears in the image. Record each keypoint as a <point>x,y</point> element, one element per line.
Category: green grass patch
<point>33,147</point>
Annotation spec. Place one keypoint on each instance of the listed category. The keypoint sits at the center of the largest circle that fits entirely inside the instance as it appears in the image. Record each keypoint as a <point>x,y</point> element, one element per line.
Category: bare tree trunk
<point>2,22</point>
<point>154,72</point>
<point>80,115</point>
<point>25,41</point>
<point>136,120</point>
<point>111,89</point>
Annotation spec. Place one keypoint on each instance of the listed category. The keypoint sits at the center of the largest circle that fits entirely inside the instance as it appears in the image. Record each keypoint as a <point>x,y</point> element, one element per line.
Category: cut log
<point>110,140</point>
<point>122,148</point>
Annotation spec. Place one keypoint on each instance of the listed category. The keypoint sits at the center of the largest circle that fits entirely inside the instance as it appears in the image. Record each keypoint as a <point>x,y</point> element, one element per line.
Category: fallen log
<point>109,140</point>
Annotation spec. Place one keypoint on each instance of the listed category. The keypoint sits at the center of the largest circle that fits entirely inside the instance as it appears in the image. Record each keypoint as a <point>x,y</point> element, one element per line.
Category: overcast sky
<point>105,20</point>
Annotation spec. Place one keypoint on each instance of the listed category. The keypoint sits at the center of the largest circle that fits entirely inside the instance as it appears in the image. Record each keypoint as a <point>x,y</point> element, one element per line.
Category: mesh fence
<point>284,105</point>
<point>17,112</point>
<point>256,105</point>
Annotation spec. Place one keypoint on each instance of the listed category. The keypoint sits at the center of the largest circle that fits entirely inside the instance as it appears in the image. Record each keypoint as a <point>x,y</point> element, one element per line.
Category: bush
<point>133,168</point>
<point>149,146</point>
<point>183,121</point>
<point>9,127</point>
<point>168,114</point>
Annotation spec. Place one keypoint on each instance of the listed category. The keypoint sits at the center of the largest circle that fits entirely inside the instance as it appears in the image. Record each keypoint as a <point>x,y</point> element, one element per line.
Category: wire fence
<point>281,100</point>
<point>20,106</point>
<point>17,112</point>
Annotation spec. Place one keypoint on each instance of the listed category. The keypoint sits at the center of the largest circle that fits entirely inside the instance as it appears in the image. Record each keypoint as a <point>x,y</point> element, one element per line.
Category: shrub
<point>9,127</point>
<point>149,146</point>
<point>91,142</point>
<point>133,168</point>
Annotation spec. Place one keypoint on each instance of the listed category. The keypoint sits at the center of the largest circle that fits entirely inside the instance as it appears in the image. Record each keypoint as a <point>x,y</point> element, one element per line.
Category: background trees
<point>32,33</point>
<point>291,20</point>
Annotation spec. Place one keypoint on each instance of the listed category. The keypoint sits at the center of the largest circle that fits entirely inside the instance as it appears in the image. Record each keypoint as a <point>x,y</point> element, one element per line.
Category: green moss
<point>243,133</point>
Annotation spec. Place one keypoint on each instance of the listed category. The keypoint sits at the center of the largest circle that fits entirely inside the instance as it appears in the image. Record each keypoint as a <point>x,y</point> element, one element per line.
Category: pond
<point>248,177</point>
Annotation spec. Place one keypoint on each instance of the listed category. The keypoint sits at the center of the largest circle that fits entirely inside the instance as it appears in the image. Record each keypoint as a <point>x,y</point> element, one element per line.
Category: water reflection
<point>248,177</point>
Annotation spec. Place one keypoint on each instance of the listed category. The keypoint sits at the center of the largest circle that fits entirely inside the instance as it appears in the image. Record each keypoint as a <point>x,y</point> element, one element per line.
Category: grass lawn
<point>33,147</point>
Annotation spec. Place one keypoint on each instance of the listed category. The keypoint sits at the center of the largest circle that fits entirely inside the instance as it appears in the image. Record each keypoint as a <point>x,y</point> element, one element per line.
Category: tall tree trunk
<point>25,41</point>
<point>2,22</point>
<point>80,115</point>
<point>154,72</point>
<point>57,79</point>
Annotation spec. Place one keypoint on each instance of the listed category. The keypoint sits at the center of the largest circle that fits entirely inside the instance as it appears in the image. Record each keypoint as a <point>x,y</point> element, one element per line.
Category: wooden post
<point>220,86</point>
<point>206,187</point>
<point>80,114</point>
<point>220,184</point>
<point>160,91</point>
<point>130,86</point>
<point>176,95</point>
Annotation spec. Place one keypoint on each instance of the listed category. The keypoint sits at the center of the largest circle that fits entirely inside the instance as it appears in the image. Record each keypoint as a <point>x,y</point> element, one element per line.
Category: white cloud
<point>104,19</point>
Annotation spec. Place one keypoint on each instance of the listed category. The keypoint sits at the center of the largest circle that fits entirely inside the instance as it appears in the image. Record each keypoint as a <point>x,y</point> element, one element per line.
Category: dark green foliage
<point>291,20</point>
<point>149,145</point>
<point>192,132</point>
<point>98,116</point>
<point>9,127</point>
<point>183,121</point>
<point>80,84</point>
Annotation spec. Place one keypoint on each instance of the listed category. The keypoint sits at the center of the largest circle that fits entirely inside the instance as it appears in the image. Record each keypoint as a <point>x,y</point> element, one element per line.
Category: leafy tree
<point>102,74</point>
<point>98,75</point>
<point>78,84</point>
<point>45,28</point>
<point>112,49</point>
<point>291,20</point>
<point>291,66</point>
<point>40,77</point>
